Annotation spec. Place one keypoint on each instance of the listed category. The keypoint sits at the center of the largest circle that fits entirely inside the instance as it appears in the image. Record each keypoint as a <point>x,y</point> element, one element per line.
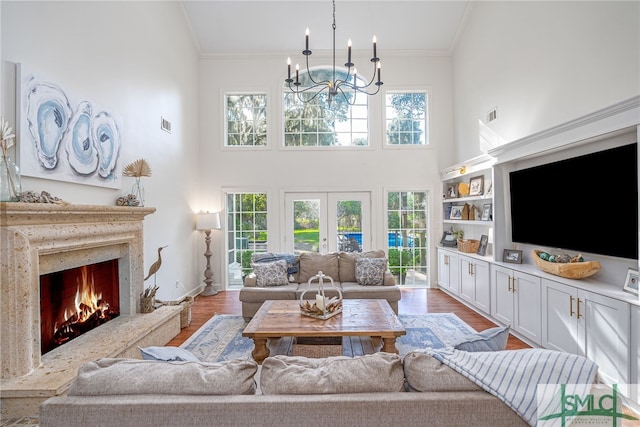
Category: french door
<point>327,222</point>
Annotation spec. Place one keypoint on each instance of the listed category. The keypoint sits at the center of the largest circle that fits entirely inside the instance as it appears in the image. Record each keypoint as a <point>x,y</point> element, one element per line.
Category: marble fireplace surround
<point>38,239</point>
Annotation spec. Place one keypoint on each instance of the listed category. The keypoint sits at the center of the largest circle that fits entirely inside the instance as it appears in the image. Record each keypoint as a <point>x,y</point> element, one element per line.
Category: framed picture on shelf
<point>452,191</point>
<point>475,185</point>
<point>486,212</point>
<point>456,212</point>
<point>631,282</point>
<point>448,240</point>
<point>513,256</point>
<point>484,241</point>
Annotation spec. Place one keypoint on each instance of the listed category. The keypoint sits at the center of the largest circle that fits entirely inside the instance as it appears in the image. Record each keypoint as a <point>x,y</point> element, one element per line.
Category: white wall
<point>276,170</point>
<point>541,64</point>
<point>138,61</point>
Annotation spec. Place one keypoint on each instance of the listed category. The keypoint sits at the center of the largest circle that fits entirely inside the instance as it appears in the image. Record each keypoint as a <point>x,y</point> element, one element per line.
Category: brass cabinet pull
<point>471,269</point>
<point>513,285</point>
<point>578,304</point>
<point>509,283</point>
<point>446,260</point>
<point>571,305</point>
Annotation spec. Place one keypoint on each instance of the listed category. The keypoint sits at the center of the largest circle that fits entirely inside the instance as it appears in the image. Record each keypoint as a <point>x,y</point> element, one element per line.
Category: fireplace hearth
<point>44,241</point>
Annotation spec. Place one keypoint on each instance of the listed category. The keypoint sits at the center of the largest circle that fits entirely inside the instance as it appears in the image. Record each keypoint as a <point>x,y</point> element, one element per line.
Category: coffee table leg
<point>260,350</point>
<point>389,345</point>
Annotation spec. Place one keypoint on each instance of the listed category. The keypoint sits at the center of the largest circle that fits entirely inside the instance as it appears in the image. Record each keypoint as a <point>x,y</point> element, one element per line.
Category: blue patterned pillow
<point>271,273</point>
<point>370,271</point>
<point>492,339</point>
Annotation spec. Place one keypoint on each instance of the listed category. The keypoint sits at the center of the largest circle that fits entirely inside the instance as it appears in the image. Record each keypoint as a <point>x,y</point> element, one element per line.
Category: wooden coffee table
<point>359,317</point>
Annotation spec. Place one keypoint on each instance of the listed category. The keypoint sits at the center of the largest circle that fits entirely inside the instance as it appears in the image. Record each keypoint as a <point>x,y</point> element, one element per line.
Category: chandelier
<point>334,86</point>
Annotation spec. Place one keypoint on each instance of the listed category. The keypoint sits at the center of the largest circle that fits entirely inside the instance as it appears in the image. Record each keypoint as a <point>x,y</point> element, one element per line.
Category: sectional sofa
<point>372,390</point>
<point>286,277</point>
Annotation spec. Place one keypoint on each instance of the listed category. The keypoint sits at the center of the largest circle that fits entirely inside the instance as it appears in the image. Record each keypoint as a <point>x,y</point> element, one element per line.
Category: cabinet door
<point>559,321</point>
<point>443,269</point>
<point>604,323</point>
<point>467,279</point>
<point>482,299</point>
<point>501,295</point>
<point>527,313</point>
<point>635,353</point>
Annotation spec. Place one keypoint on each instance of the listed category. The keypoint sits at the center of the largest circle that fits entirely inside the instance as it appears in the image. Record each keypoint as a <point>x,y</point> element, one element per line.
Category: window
<point>317,123</point>
<point>406,118</point>
<point>407,236</point>
<point>246,232</point>
<point>246,120</point>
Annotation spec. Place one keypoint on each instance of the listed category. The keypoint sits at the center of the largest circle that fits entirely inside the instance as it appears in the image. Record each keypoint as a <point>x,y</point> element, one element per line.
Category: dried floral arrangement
<point>6,137</point>
<point>137,169</point>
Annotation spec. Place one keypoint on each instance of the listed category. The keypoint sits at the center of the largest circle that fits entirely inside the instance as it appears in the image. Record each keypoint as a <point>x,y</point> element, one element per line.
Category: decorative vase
<point>138,191</point>
<point>10,184</point>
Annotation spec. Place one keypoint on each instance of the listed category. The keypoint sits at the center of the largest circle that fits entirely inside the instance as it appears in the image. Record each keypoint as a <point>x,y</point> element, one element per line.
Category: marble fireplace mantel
<point>40,238</point>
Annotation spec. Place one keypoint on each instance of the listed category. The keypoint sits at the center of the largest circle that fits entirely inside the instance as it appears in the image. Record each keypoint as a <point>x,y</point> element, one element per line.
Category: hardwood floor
<point>414,301</point>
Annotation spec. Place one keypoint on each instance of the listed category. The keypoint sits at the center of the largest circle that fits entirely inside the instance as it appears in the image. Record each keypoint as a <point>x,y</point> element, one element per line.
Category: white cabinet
<point>516,301</point>
<point>635,355</point>
<point>589,324</point>
<point>448,270</point>
<point>474,282</point>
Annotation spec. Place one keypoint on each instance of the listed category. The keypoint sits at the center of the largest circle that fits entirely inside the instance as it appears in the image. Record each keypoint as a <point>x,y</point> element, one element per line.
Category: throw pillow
<point>167,354</point>
<point>113,377</point>
<point>370,271</point>
<point>347,262</point>
<point>292,264</point>
<point>378,372</point>
<point>311,263</point>
<point>425,373</point>
<point>492,339</point>
<point>271,273</point>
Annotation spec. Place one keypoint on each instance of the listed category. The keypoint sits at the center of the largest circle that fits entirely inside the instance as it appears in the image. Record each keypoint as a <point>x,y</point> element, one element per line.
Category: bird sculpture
<point>156,265</point>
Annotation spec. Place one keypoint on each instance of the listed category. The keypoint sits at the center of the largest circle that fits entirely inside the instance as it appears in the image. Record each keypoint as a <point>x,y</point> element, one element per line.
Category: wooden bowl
<point>569,270</point>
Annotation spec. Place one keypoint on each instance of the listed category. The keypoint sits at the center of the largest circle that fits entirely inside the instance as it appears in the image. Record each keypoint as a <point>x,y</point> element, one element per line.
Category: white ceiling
<point>252,26</point>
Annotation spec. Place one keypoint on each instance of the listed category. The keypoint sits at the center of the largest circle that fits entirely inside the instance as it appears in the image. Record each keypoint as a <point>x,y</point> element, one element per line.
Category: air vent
<point>492,115</point>
<point>165,125</point>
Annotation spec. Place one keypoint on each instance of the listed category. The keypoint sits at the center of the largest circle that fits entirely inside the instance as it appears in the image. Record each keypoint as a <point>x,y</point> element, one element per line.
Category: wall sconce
<point>207,222</point>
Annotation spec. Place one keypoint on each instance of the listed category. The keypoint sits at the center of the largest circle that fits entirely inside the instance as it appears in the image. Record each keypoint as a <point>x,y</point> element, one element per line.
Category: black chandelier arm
<point>299,92</point>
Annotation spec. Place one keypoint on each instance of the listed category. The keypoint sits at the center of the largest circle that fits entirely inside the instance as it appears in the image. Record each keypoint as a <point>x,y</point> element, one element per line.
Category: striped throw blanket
<point>513,376</point>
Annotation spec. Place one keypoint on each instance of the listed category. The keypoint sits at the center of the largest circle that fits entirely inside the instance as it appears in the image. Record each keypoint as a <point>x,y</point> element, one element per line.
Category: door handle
<point>509,283</point>
<point>513,284</point>
<point>571,312</point>
<point>578,304</point>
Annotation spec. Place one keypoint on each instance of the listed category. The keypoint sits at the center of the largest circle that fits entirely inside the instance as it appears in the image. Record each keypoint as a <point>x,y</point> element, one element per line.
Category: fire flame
<point>89,308</point>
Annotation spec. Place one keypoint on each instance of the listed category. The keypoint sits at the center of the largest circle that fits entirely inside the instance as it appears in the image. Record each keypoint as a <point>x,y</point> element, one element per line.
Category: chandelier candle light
<point>335,85</point>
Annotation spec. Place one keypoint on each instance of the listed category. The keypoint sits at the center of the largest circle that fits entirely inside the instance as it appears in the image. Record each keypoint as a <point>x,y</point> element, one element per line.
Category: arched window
<point>317,123</point>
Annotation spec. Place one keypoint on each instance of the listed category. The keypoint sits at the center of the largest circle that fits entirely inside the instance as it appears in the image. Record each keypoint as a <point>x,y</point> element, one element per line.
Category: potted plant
<point>401,260</point>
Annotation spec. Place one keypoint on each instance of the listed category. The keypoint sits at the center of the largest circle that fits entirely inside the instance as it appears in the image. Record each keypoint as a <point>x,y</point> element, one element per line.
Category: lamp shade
<point>208,221</point>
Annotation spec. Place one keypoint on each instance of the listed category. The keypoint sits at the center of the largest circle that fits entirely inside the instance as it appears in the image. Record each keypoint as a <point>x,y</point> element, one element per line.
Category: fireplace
<point>40,244</point>
<point>75,301</point>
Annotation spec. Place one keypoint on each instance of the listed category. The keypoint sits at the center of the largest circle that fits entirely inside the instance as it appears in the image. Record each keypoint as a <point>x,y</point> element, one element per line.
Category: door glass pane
<point>407,237</point>
<point>306,226</point>
<point>246,233</point>
<point>349,225</point>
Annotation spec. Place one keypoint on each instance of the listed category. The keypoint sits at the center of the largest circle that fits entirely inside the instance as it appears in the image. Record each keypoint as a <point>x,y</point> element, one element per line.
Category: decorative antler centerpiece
<point>323,307</point>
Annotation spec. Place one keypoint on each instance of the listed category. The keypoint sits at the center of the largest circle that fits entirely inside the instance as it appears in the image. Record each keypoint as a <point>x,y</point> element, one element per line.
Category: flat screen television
<point>586,204</point>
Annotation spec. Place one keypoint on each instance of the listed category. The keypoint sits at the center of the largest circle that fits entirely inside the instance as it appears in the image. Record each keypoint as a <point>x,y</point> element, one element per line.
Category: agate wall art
<point>65,139</point>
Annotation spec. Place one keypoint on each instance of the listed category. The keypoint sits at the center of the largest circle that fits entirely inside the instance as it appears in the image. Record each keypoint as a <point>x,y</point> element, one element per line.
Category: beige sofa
<point>340,266</point>
<point>372,390</point>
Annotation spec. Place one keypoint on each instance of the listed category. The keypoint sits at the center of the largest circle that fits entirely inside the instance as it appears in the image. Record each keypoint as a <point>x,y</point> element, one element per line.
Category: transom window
<point>246,119</point>
<point>406,118</point>
<point>315,123</point>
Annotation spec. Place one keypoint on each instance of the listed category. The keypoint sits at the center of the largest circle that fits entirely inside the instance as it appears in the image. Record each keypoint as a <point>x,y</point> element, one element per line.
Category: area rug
<point>220,338</point>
